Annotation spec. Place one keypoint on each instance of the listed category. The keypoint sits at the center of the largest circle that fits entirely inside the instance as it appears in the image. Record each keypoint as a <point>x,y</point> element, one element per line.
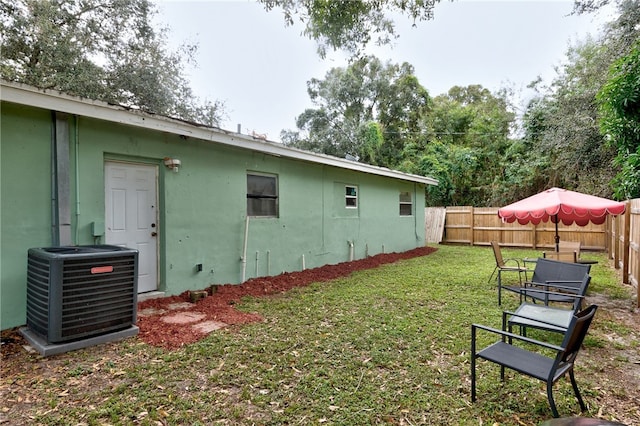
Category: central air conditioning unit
<point>77,292</point>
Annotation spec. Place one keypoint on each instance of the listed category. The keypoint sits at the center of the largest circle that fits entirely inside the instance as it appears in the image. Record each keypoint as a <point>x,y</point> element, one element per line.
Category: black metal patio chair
<point>534,364</point>
<point>555,282</point>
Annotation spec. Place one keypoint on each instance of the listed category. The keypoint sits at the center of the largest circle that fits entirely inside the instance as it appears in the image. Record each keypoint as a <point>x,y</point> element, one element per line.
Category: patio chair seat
<point>545,317</point>
<point>540,316</point>
<point>522,361</point>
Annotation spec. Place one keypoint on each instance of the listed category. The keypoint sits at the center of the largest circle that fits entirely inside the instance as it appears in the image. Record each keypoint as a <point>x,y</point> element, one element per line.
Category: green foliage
<point>100,50</point>
<point>350,24</point>
<point>372,139</point>
<point>561,126</point>
<point>380,114</point>
<point>466,138</point>
<point>620,106</point>
<point>367,110</point>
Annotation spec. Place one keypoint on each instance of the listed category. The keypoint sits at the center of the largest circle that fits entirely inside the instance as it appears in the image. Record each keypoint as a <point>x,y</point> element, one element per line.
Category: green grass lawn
<point>386,345</point>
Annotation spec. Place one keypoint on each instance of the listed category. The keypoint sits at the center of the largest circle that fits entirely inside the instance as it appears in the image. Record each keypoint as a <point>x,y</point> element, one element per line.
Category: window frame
<point>253,196</point>
<point>348,196</point>
<point>403,203</point>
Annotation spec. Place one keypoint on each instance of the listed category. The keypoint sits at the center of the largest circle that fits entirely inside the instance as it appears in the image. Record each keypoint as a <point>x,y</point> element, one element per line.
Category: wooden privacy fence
<point>481,225</point>
<point>618,236</point>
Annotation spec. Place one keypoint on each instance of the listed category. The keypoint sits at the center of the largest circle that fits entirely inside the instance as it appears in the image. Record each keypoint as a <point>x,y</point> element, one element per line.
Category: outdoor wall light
<point>172,163</point>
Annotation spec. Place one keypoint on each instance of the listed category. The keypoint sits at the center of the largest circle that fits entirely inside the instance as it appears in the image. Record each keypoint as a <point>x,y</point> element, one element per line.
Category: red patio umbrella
<point>561,205</point>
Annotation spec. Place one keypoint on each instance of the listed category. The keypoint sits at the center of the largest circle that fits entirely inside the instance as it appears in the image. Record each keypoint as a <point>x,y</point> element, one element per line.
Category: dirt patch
<point>157,329</point>
<point>619,358</point>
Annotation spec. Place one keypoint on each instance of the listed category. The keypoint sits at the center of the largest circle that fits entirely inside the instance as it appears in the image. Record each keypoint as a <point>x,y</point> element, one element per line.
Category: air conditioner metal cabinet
<point>76,292</point>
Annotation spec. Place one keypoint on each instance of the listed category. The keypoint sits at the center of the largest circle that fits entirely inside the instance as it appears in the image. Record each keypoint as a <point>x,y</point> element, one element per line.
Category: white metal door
<point>131,216</point>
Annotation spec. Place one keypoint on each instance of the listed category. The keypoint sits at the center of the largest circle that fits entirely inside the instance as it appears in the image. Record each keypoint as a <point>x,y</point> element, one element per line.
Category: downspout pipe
<point>244,249</point>
<point>77,173</point>
<point>60,181</point>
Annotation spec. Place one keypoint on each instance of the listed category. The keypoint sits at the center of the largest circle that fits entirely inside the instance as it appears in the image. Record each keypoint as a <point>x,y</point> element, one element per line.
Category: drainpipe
<point>60,181</point>
<point>351,250</point>
<point>244,248</point>
<point>77,170</point>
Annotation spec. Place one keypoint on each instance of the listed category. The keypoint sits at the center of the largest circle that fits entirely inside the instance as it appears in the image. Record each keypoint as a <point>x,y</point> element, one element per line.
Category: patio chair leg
<point>552,403</point>
<point>492,274</point>
<point>473,364</point>
<point>583,407</point>
<point>499,289</point>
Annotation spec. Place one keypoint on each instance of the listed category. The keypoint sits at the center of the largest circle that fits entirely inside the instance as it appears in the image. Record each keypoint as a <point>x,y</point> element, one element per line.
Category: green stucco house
<point>201,205</point>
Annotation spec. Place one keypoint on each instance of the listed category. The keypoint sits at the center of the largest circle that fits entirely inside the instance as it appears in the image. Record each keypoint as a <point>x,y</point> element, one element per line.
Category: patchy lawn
<point>382,345</point>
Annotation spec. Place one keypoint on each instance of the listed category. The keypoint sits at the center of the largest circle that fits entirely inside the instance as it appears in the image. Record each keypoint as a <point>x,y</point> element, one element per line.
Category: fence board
<point>481,225</point>
<point>434,218</point>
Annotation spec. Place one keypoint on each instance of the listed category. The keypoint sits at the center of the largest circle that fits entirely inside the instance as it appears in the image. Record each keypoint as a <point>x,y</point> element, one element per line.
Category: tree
<point>350,24</point>
<point>620,106</point>
<point>368,110</point>
<point>466,138</point>
<point>105,50</point>
<point>562,127</point>
<point>579,157</point>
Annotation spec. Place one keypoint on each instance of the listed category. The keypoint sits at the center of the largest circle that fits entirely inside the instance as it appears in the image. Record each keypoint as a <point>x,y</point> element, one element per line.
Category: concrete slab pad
<point>181,305</point>
<point>184,317</point>
<point>45,348</point>
<point>150,295</point>
<point>209,326</point>
<point>150,312</point>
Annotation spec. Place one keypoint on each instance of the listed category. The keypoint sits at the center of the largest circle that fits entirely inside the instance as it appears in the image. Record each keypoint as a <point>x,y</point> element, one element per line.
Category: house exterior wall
<point>25,202</point>
<point>202,208</point>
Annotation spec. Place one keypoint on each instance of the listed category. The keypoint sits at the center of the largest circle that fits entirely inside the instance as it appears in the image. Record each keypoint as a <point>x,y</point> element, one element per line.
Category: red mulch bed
<point>219,304</point>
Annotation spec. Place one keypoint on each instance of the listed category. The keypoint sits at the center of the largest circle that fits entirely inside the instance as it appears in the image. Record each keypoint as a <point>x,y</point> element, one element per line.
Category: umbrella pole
<point>557,235</point>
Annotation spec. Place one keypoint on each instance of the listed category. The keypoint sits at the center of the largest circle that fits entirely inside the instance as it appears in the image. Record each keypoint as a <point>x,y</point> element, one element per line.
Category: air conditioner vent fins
<point>79,292</point>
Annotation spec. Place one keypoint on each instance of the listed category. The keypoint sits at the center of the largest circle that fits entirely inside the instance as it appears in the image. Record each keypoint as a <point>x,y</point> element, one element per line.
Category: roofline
<point>53,100</point>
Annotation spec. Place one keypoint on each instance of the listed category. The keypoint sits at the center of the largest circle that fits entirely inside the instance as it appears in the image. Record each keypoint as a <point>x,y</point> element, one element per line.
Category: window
<point>351,197</point>
<point>406,205</point>
<point>262,195</point>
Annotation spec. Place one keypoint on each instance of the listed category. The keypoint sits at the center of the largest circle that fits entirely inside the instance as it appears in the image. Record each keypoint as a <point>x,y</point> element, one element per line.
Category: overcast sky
<point>259,68</point>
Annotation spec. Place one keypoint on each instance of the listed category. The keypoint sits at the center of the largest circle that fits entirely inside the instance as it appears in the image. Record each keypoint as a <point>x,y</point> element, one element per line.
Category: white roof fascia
<point>56,101</point>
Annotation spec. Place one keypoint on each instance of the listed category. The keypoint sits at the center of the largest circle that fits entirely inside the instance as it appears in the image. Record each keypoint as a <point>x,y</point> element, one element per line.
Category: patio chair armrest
<point>549,282</point>
<point>505,314</point>
<point>506,334</point>
<point>559,284</point>
<point>524,291</point>
<point>545,294</point>
<point>511,259</point>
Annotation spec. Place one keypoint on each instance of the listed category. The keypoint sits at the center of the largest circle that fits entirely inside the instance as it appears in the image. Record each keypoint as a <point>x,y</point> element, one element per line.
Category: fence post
<point>473,222</point>
<point>616,242</point>
<point>608,232</point>
<point>627,236</point>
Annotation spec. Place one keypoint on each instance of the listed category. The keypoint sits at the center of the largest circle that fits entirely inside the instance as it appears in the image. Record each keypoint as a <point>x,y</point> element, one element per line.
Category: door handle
<point>154,234</point>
